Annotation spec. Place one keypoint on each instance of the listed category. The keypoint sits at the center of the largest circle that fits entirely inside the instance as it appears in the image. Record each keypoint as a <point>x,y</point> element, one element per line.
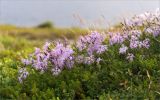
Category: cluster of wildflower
<point>133,29</point>
<point>61,56</point>
<point>133,38</point>
<point>23,73</point>
<point>39,59</point>
<point>116,38</point>
<point>135,42</point>
<point>123,49</point>
<point>150,21</point>
<point>92,45</point>
<point>55,58</point>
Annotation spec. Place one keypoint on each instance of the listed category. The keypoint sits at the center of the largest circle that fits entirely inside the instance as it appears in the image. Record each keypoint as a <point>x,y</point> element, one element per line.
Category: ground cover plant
<point>100,65</point>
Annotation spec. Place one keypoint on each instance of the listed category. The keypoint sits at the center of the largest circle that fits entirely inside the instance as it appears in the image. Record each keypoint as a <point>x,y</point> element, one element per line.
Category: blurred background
<point>68,13</point>
<point>45,20</point>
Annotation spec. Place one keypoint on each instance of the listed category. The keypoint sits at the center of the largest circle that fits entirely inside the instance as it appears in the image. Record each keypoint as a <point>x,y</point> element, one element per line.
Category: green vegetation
<point>16,43</point>
<point>47,24</point>
<point>115,79</point>
<point>35,33</point>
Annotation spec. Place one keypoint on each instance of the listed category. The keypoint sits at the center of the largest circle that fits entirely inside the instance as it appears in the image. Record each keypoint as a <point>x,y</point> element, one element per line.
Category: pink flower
<point>102,48</point>
<point>70,62</point>
<point>123,49</point>
<point>46,46</point>
<point>61,56</point>
<point>23,73</point>
<point>145,43</point>
<point>135,33</point>
<point>116,38</point>
<point>155,31</point>
<point>26,61</point>
<point>37,51</point>
<point>134,44</point>
<point>92,43</point>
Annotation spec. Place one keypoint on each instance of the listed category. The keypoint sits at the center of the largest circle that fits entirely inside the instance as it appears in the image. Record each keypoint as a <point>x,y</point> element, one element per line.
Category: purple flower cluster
<point>155,30</point>
<point>26,61</point>
<point>150,21</point>
<point>132,31</point>
<point>59,56</point>
<point>41,60</point>
<point>87,59</point>
<point>55,58</point>
<point>62,55</point>
<point>135,42</point>
<point>92,43</point>
<point>116,38</point>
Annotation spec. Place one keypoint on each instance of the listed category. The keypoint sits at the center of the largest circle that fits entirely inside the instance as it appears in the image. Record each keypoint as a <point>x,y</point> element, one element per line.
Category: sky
<point>66,13</point>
